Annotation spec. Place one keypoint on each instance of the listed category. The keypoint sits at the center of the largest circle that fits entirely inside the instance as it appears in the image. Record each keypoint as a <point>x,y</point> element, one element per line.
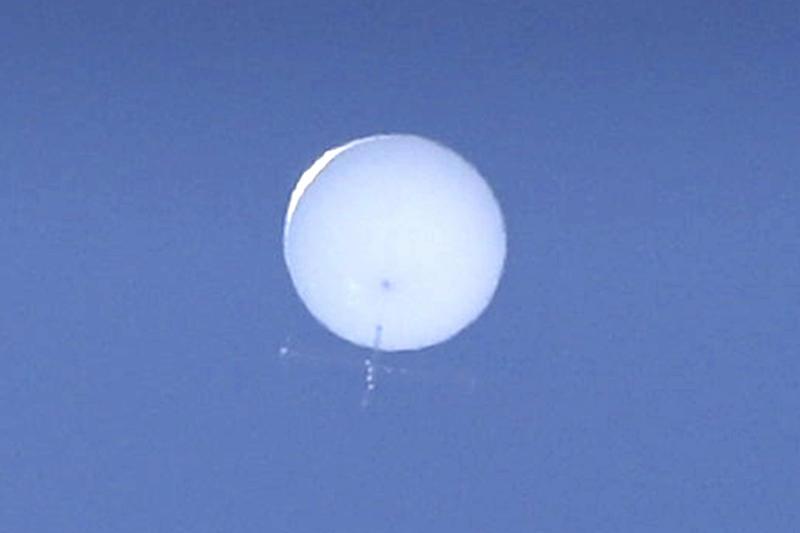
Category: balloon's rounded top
<point>394,234</point>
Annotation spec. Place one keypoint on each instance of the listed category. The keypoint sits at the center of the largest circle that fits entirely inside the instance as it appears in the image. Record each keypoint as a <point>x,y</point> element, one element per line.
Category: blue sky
<point>637,371</point>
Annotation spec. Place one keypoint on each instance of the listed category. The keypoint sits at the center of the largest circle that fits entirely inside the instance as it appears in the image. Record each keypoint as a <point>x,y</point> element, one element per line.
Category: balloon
<point>395,236</point>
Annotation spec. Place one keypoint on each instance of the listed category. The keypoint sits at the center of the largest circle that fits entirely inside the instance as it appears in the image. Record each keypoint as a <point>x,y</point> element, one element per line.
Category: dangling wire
<point>371,369</point>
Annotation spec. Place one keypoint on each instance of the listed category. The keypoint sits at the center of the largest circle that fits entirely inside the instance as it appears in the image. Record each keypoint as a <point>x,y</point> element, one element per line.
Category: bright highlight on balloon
<point>394,242</point>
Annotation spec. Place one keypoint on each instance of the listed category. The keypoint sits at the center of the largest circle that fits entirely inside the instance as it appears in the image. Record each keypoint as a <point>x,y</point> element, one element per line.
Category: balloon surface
<point>396,234</point>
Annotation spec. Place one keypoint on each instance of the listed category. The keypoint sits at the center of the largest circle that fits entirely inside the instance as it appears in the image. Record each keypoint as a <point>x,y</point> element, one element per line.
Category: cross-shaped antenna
<point>374,364</point>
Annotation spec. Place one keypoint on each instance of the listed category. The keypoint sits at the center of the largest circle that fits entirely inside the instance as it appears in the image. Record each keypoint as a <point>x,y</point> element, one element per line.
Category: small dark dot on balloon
<point>386,284</point>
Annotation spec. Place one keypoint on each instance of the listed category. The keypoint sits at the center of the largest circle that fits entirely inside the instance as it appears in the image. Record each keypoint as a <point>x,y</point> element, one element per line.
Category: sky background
<point>637,370</point>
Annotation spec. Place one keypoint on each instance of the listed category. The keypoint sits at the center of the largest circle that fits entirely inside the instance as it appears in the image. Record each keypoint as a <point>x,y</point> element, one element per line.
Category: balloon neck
<point>376,343</point>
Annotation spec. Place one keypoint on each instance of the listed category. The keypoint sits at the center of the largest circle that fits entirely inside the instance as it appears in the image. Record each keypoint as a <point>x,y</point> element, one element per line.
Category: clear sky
<point>637,371</point>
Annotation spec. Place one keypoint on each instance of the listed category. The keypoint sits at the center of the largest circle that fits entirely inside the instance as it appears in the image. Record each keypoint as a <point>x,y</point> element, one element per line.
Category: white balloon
<point>394,234</point>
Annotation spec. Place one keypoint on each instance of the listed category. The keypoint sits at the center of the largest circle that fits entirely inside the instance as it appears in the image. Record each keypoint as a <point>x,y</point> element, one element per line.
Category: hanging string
<point>371,368</point>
